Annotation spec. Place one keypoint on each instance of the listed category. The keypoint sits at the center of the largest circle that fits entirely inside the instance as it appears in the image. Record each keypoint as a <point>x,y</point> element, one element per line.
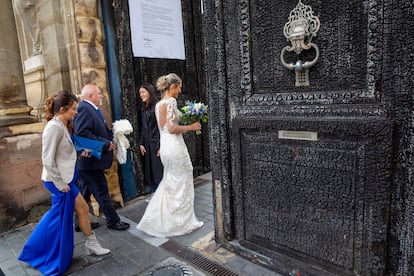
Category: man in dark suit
<point>90,123</point>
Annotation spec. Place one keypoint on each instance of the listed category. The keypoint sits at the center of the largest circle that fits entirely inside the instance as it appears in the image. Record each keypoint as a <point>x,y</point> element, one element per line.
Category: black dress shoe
<point>118,226</point>
<point>94,225</point>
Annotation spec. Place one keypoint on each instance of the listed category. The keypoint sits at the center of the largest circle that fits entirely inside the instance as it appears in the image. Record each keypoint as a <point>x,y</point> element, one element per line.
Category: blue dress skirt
<point>50,247</point>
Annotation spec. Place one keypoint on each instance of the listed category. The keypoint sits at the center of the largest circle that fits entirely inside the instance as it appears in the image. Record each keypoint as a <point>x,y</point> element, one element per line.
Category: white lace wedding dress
<point>171,209</point>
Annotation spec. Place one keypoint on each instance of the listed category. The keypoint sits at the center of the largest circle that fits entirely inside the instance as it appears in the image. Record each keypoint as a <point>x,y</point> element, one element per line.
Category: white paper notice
<point>157,28</point>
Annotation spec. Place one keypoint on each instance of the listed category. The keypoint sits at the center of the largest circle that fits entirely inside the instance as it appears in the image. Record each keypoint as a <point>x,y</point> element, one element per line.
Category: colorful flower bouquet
<point>193,112</point>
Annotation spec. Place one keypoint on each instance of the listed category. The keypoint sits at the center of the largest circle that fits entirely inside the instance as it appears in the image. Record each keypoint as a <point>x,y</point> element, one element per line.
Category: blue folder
<point>94,147</point>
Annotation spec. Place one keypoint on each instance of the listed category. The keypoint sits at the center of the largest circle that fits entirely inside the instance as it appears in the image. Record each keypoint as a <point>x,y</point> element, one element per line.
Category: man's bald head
<point>92,93</point>
<point>88,89</point>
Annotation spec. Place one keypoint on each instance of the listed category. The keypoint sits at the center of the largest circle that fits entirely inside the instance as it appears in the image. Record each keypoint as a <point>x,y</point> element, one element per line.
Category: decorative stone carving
<point>13,104</point>
<point>35,83</point>
<point>25,11</point>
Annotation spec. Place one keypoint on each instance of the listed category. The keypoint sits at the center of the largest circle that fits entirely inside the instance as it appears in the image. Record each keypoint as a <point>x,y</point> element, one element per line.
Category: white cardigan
<point>58,154</point>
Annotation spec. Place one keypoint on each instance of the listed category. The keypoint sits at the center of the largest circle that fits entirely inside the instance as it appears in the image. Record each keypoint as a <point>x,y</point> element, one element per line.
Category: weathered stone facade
<point>72,54</point>
<point>339,204</point>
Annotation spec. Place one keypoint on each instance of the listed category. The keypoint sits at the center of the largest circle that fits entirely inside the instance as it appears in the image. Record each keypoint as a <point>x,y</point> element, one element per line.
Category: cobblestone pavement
<point>135,253</point>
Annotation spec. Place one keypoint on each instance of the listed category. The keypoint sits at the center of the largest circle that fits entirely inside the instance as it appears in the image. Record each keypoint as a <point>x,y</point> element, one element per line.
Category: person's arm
<point>157,145</point>
<point>141,137</point>
<point>168,117</point>
<point>84,125</point>
<point>51,137</point>
<point>155,131</point>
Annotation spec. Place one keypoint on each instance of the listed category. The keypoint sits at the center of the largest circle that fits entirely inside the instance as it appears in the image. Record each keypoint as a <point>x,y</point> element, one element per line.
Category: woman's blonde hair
<point>164,82</point>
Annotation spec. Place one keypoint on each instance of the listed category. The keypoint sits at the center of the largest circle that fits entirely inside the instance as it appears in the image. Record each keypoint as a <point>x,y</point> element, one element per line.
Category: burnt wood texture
<point>339,205</point>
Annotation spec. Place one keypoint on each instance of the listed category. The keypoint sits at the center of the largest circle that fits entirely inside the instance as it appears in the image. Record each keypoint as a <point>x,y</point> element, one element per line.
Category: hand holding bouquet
<point>193,112</point>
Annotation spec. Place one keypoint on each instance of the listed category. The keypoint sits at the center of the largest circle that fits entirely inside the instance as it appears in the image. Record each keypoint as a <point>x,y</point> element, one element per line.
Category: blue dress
<point>50,247</point>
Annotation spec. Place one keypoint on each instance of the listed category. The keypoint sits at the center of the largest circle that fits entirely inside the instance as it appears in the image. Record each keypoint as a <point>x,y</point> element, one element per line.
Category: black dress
<point>150,139</point>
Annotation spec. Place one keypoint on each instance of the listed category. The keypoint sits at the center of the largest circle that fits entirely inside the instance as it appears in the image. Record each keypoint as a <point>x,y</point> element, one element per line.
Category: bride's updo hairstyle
<point>164,82</point>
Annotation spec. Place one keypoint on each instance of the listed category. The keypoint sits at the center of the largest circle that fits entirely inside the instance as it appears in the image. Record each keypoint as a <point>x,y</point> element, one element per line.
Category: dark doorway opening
<point>134,71</point>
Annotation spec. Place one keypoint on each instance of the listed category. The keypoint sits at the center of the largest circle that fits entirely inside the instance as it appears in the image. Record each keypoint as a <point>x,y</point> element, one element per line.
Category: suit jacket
<point>150,135</point>
<point>88,123</point>
<point>58,154</point>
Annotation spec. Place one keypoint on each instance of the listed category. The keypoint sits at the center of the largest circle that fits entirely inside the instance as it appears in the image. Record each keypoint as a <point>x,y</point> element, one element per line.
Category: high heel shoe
<point>92,246</point>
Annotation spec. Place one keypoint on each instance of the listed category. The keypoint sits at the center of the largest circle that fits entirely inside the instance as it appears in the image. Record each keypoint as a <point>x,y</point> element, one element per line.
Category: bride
<point>171,209</point>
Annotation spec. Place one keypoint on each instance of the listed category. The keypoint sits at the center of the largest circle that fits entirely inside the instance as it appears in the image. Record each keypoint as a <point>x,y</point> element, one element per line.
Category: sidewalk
<point>135,253</point>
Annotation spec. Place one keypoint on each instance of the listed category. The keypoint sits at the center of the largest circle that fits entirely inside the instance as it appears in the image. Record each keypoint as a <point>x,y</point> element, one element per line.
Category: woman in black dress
<point>149,142</point>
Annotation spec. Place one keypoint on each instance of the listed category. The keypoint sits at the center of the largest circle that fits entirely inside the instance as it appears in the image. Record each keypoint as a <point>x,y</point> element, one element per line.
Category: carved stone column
<point>13,105</point>
<point>20,163</point>
<point>27,26</point>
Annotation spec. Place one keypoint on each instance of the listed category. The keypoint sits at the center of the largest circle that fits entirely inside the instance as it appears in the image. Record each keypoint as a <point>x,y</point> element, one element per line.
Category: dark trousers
<point>95,182</point>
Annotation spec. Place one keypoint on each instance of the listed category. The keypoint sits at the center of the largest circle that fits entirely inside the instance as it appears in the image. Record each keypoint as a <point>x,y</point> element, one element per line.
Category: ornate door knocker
<point>299,30</point>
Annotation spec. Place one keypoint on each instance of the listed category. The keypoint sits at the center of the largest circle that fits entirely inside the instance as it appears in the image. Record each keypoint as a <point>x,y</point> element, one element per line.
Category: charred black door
<point>304,176</point>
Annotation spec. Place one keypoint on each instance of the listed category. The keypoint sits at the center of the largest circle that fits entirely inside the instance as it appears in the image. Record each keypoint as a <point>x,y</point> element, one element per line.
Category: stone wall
<point>20,165</point>
<point>93,70</point>
<point>21,186</point>
<point>52,34</point>
<point>72,43</point>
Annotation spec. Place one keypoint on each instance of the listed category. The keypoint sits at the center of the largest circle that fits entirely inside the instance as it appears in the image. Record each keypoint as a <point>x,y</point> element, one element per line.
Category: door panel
<point>304,182</point>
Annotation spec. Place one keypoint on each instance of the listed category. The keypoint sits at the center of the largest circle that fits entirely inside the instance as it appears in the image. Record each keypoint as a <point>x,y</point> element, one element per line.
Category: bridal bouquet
<point>193,112</point>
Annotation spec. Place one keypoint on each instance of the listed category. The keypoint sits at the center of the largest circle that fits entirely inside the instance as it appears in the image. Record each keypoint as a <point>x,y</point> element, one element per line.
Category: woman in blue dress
<point>50,247</point>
